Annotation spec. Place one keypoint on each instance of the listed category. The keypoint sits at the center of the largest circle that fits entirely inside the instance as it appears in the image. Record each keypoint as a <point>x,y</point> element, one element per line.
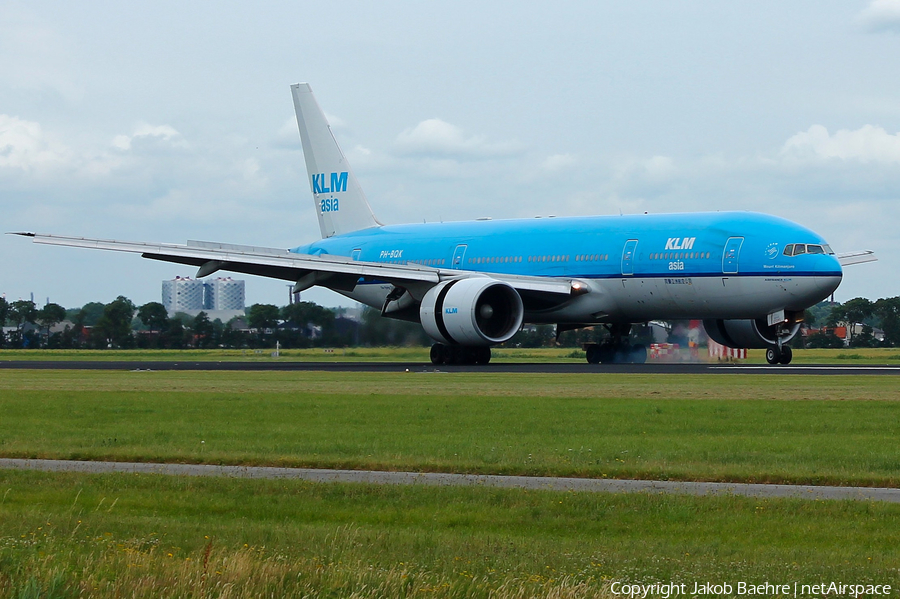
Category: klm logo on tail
<point>338,183</point>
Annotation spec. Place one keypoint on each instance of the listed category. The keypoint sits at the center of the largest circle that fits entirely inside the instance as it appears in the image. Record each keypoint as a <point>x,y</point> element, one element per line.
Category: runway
<point>465,480</point>
<point>501,367</point>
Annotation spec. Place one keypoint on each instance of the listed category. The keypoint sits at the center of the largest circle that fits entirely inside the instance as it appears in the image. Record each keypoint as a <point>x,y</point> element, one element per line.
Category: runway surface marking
<point>464,480</point>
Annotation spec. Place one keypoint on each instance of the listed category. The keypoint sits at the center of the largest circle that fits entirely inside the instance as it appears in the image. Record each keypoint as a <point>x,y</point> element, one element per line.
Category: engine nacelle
<point>477,311</point>
<point>752,334</point>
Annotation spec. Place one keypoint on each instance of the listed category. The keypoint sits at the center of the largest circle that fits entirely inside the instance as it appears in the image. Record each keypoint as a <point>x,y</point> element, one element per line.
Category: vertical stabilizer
<point>340,203</point>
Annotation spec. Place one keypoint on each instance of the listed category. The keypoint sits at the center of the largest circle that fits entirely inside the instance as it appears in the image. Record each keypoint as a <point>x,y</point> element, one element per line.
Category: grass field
<point>835,430</point>
<point>151,536</point>
<point>143,535</point>
<point>417,354</point>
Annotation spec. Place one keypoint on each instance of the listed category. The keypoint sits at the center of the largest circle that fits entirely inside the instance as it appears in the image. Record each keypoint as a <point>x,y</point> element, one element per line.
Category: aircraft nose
<point>828,284</point>
<point>830,275</point>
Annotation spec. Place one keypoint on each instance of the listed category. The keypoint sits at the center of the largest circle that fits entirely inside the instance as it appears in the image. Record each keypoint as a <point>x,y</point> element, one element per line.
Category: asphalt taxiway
<point>590,485</point>
<point>500,367</point>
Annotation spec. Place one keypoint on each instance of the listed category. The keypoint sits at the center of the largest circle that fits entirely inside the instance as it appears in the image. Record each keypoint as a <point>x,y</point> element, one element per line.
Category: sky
<point>169,121</point>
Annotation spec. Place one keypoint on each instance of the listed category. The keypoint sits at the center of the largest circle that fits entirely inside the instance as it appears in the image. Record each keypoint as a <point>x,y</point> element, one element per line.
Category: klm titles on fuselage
<point>338,184</point>
<point>680,243</point>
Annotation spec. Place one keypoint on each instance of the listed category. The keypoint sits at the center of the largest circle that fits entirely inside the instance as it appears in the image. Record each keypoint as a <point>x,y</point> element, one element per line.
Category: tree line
<point>122,324</point>
<point>883,314</point>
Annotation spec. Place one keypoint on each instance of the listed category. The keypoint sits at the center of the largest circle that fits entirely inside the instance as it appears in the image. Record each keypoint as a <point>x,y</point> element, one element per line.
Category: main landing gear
<point>779,355</point>
<point>457,354</point>
<point>616,350</point>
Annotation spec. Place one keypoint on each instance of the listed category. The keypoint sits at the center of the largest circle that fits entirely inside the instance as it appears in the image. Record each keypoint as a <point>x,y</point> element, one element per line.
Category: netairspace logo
<point>667,590</point>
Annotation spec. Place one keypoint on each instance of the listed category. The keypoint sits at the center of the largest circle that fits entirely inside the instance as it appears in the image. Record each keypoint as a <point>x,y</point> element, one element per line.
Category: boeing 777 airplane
<point>472,285</point>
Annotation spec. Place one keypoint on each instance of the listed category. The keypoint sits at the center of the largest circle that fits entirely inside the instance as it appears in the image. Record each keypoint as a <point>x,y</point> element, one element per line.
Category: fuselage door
<point>731,254</point>
<point>628,257</point>
<point>459,255</point>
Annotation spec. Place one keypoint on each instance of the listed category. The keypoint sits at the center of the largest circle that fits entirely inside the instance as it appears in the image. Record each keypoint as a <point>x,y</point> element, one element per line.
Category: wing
<point>857,257</point>
<point>305,270</point>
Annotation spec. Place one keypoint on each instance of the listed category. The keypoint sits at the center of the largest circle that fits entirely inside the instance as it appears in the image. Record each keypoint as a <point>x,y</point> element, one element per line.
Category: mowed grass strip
<point>800,429</point>
<point>150,535</point>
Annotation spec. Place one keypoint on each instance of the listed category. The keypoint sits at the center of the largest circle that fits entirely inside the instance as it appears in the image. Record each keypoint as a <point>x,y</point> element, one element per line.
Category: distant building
<point>182,294</point>
<point>221,298</point>
<point>224,293</point>
<point>841,332</point>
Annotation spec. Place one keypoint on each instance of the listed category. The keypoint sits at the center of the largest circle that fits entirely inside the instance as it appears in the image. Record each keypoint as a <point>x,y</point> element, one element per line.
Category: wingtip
<point>22,233</point>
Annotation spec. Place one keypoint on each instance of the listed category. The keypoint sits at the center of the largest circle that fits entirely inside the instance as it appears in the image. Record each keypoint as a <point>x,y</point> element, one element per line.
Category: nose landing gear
<point>779,355</point>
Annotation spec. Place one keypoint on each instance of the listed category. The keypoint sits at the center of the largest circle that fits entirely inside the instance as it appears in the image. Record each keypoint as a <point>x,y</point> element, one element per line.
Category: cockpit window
<point>795,249</point>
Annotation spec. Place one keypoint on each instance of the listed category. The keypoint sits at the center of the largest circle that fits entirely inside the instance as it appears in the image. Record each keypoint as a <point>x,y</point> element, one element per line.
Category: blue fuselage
<point>691,265</point>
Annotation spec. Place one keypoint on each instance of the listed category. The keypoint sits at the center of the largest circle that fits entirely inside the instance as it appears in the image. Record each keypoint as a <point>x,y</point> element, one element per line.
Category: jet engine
<point>752,334</point>
<point>477,311</point>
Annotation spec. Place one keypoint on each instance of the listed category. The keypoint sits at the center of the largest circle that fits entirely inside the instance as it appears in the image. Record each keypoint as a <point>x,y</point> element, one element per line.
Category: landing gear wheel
<point>438,354</point>
<point>593,354</point>
<point>786,355</point>
<point>772,355</point>
<point>482,355</point>
<point>638,354</point>
<point>454,355</point>
<point>607,354</point>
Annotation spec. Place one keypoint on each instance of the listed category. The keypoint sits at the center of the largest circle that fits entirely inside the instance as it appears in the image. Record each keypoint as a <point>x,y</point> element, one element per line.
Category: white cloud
<point>866,144</point>
<point>659,167</point>
<point>144,132</point>
<point>881,15</point>
<point>25,146</point>
<point>287,136</point>
<point>654,170</point>
<point>435,137</point>
<point>43,159</point>
<point>558,162</point>
<point>361,156</point>
<point>251,172</point>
